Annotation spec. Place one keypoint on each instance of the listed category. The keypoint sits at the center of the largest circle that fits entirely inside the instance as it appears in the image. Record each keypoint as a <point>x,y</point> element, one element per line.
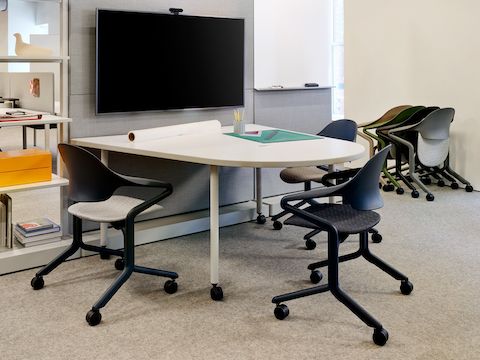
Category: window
<point>338,60</point>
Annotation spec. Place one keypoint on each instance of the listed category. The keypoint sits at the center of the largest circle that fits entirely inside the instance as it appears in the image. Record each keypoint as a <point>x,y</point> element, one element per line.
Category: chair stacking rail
<point>426,146</point>
<point>355,215</point>
<point>93,188</point>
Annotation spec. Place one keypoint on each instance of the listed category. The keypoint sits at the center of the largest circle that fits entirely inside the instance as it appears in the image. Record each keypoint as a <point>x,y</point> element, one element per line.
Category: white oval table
<point>218,149</point>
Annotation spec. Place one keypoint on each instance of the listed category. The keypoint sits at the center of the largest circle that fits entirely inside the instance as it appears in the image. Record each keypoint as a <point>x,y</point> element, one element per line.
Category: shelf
<point>23,59</point>
<point>294,88</point>
<point>21,258</point>
<point>55,182</point>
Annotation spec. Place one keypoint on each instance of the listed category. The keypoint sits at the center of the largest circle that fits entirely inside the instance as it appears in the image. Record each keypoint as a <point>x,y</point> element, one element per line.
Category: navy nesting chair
<point>360,195</point>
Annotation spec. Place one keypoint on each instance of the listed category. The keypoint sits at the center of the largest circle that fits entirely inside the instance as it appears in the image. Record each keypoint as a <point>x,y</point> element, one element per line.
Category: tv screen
<point>152,61</point>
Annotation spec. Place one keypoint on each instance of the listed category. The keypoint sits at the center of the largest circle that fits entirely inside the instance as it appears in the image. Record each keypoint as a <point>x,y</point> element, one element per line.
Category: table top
<point>46,118</point>
<point>222,150</point>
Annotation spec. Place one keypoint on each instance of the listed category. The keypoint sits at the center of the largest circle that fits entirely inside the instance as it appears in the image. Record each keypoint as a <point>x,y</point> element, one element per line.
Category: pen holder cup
<point>239,127</point>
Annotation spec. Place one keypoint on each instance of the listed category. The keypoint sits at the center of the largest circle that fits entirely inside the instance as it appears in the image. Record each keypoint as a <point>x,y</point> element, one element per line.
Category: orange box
<point>25,167</point>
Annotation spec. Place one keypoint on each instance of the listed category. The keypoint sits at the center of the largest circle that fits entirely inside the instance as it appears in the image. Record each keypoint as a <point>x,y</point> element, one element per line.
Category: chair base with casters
<point>353,216</point>
<point>92,187</point>
<point>126,262</point>
<point>380,334</point>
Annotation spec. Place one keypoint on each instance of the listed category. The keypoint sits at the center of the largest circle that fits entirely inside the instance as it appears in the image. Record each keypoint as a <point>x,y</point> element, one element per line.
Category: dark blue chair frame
<point>362,194</point>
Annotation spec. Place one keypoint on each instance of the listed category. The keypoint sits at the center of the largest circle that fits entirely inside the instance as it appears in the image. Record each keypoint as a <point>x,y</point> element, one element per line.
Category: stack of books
<point>37,232</point>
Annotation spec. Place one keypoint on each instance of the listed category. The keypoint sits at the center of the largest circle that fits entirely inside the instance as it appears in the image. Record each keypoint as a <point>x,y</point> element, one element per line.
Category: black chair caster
<point>277,225</point>
<point>93,317</point>
<point>454,185</point>
<point>400,191</point>
<point>316,276</point>
<point>469,188</point>
<point>37,282</point>
<point>426,180</point>
<point>380,336</point>
<point>216,293</point>
<point>441,183</point>
<point>310,244</point>
<point>377,238</point>
<point>406,287</point>
<point>261,219</point>
<point>388,187</point>
<point>170,287</point>
<point>430,197</point>
<point>281,311</point>
<point>415,194</point>
<point>120,264</point>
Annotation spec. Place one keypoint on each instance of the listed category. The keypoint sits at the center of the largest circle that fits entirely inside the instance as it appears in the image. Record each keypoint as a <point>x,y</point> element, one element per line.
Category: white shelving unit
<point>20,258</point>
<point>63,59</point>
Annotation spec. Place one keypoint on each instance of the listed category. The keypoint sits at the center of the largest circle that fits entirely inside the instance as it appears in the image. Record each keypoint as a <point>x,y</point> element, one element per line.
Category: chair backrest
<point>436,126</point>
<point>344,129</point>
<point>403,116</point>
<point>434,137</point>
<point>89,179</point>
<point>389,115</point>
<point>362,191</point>
<point>418,116</point>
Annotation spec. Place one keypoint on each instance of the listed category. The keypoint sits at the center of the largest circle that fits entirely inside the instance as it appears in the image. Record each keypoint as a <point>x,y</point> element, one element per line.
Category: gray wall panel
<point>298,110</point>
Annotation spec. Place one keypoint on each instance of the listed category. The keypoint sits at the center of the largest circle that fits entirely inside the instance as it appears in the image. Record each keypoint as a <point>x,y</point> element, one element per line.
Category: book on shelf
<point>6,233</point>
<point>35,225</point>
<point>28,241</point>
<point>3,225</point>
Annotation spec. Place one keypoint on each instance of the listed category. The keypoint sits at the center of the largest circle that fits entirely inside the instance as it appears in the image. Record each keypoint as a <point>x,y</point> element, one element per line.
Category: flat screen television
<point>152,61</point>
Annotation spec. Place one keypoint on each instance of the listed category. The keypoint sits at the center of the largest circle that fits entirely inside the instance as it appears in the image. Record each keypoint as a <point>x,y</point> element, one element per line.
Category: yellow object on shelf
<point>25,167</point>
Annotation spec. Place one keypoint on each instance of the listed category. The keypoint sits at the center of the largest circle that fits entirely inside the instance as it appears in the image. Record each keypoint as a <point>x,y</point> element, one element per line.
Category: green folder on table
<point>273,136</point>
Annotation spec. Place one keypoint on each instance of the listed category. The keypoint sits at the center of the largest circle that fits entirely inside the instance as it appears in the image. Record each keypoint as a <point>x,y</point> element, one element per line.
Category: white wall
<point>420,53</point>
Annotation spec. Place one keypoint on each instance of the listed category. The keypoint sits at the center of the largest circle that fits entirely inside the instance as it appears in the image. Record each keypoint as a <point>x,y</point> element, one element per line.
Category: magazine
<point>34,225</point>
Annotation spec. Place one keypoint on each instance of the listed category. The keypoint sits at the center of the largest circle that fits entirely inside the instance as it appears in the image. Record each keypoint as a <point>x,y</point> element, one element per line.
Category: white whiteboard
<point>292,43</point>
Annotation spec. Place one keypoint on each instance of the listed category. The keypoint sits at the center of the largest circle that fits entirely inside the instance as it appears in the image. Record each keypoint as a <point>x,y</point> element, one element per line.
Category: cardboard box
<point>25,167</point>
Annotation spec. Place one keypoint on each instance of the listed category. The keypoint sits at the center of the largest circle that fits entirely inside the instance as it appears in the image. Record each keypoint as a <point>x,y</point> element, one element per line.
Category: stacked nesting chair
<point>371,131</point>
<point>343,129</point>
<point>92,187</point>
<point>389,115</point>
<point>398,150</point>
<point>361,195</point>
<point>427,147</point>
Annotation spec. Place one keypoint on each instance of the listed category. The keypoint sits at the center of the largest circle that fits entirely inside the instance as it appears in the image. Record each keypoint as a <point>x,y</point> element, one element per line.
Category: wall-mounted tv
<point>152,61</point>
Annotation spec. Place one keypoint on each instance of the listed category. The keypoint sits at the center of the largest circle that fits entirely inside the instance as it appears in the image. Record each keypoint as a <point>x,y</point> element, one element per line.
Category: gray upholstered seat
<point>113,209</point>
<point>302,174</point>
<point>346,219</point>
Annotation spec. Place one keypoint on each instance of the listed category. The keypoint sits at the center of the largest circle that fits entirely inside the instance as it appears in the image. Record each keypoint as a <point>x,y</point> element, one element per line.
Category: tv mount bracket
<point>175,11</point>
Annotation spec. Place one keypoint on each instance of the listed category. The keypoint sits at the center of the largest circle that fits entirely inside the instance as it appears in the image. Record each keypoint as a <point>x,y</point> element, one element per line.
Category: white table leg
<point>103,227</point>
<point>258,195</point>
<point>47,137</point>
<point>216,292</point>
<point>331,168</point>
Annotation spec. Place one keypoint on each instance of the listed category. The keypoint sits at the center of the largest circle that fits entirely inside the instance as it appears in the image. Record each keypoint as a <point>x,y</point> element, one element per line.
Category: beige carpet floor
<point>436,244</point>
